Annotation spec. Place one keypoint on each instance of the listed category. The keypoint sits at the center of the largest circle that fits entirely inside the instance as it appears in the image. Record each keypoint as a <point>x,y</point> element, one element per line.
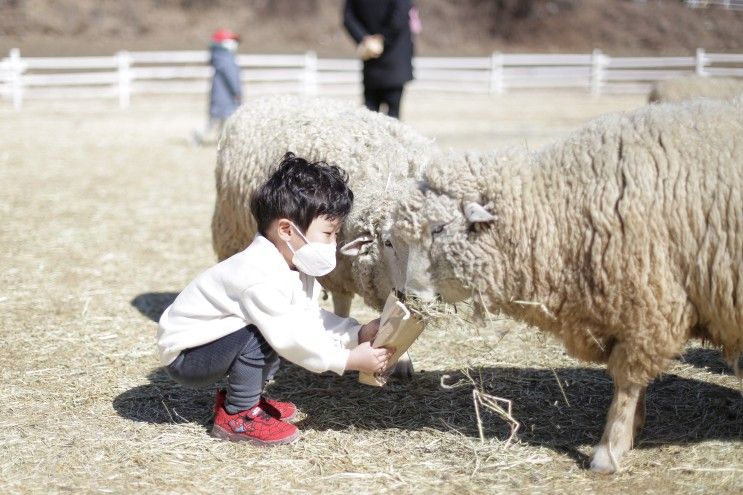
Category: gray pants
<point>243,356</point>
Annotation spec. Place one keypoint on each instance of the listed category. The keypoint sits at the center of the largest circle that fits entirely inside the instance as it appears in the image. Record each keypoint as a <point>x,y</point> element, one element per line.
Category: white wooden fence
<point>132,73</point>
<point>726,4</point>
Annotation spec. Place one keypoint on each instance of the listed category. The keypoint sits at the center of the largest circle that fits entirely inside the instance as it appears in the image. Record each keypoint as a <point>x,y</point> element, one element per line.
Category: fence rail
<point>133,73</point>
<point>727,4</point>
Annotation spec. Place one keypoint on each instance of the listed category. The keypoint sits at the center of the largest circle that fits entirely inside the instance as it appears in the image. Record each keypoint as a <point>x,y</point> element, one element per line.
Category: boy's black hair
<point>301,191</point>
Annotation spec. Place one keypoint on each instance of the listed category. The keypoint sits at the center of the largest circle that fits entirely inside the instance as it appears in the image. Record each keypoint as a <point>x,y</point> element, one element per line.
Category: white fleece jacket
<point>256,286</point>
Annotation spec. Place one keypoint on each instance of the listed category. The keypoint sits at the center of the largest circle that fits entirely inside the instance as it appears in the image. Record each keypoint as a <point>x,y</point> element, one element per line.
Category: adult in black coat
<point>384,76</point>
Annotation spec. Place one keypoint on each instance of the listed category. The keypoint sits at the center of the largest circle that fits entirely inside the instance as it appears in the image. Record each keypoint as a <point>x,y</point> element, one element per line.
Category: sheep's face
<point>377,262</point>
<point>369,255</point>
<point>438,233</point>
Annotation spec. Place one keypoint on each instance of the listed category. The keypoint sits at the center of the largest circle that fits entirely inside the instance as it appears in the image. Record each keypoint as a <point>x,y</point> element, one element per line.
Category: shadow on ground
<point>152,304</point>
<point>679,410</point>
<point>709,359</point>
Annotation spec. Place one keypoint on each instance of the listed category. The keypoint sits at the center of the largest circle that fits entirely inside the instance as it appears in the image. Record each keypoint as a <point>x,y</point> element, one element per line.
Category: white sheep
<point>624,240</point>
<point>686,88</point>
<point>377,152</point>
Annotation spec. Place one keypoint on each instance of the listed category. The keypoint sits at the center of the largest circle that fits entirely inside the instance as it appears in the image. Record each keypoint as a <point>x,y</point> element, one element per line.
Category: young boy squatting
<point>238,317</point>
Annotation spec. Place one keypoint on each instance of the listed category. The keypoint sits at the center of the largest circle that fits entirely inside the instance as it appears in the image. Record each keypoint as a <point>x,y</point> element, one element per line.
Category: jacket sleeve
<point>352,23</point>
<point>343,330</point>
<point>297,335</point>
<point>399,19</point>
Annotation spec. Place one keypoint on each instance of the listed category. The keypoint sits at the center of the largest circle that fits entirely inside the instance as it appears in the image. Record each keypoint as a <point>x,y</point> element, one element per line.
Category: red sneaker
<point>254,425</point>
<point>285,411</point>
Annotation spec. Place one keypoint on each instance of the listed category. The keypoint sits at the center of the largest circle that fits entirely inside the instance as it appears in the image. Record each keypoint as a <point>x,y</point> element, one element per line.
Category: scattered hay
<point>490,402</point>
<point>434,310</point>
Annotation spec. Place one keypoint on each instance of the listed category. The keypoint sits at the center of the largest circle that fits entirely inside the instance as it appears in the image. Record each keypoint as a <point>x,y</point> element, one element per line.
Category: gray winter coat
<point>226,92</point>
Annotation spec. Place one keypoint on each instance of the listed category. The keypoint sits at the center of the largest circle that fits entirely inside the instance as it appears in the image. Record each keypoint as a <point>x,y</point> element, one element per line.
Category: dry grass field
<point>105,217</point>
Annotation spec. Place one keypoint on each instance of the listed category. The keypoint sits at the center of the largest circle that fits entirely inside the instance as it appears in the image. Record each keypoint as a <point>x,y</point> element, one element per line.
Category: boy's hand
<point>367,359</point>
<point>369,331</point>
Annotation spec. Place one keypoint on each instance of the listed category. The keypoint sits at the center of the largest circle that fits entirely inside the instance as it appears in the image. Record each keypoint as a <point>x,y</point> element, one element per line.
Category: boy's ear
<point>358,246</point>
<point>284,229</point>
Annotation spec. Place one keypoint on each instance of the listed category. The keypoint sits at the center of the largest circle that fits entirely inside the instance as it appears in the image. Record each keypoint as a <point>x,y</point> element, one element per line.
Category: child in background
<point>238,317</point>
<point>225,95</point>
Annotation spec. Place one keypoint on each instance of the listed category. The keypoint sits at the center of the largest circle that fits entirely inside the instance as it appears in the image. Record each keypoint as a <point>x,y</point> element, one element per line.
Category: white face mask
<point>314,258</point>
<point>230,45</point>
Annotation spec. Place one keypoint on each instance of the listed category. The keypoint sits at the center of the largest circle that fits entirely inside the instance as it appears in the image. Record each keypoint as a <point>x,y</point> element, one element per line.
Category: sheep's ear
<point>475,213</point>
<point>358,246</point>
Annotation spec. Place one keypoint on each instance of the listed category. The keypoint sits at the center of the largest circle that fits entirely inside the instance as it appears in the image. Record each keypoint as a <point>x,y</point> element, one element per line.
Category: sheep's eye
<point>437,230</point>
<point>388,243</point>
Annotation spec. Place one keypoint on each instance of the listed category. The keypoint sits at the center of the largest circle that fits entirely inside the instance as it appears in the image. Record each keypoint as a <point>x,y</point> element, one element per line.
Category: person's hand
<point>367,359</point>
<point>371,46</point>
<point>369,331</point>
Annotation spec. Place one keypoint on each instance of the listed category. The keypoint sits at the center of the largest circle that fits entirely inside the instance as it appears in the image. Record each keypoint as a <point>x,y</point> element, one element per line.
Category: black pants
<point>243,356</point>
<point>390,96</point>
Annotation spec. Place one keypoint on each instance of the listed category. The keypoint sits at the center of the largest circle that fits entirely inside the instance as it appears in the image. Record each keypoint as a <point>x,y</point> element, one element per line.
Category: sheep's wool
<point>624,239</point>
<point>377,152</point>
<point>686,88</point>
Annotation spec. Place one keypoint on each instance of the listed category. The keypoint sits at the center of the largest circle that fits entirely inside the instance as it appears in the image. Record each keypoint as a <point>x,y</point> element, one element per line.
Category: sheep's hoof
<point>601,461</point>
<point>404,368</point>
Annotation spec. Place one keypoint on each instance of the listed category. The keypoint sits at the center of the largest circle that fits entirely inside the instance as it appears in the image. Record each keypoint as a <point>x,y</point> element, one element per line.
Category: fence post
<point>496,73</point>
<point>598,72</point>
<point>125,78</point>
<point>701,61</point>
<point>16,77</point>
<point>310,73</point>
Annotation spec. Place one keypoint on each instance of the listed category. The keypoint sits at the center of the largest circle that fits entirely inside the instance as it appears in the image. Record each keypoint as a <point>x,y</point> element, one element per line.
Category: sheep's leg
<point>342,303</point>
<point>404,367</point>
<point>618,433</point>
<point>640,413</point>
